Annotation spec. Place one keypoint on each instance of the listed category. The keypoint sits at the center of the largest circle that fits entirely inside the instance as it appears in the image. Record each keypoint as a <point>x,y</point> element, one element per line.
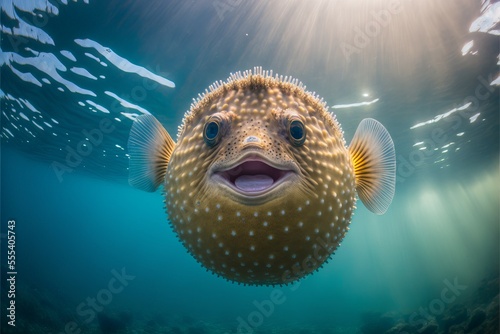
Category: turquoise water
<point>94,255</point>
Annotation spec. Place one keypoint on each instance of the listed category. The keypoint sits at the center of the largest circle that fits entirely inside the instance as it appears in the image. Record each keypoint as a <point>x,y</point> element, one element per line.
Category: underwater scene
<point>231,166</point>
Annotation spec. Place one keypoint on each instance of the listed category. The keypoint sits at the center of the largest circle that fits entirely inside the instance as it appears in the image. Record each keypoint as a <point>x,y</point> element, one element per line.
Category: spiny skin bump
<point>287,234</point>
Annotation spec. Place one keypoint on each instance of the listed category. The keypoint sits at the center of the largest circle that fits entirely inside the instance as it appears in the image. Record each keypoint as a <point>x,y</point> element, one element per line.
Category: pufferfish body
<point>260,186</point>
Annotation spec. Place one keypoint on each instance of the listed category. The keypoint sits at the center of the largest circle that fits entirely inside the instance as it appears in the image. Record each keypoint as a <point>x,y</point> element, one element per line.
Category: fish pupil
<point>297,132</point>
<point>211,132</point>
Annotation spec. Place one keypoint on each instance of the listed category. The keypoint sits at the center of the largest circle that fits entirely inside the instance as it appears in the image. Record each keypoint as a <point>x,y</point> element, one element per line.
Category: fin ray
<point>374,159</point>
<point>150,148</point>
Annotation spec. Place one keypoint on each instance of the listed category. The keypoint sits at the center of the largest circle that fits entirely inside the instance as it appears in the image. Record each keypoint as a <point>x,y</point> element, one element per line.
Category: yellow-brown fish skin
<point>286,233</point>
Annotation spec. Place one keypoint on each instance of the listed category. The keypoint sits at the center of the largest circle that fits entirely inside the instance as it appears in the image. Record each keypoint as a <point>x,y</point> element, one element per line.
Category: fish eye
<point>297,132</point>
<point>211,132</point>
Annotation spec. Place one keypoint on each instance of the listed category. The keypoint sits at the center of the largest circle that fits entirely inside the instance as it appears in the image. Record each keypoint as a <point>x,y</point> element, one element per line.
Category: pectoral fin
<point>150,148</point>
<point>374,159</point>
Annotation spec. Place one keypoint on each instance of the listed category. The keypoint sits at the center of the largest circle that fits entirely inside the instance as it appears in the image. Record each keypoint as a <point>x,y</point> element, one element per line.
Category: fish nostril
<point>251,139</point>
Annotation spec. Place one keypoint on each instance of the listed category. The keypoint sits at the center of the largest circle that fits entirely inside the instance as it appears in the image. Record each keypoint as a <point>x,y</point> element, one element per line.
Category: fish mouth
<point>254,176</point>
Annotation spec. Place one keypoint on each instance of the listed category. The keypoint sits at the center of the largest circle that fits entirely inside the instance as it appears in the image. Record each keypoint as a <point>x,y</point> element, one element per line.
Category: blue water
<point>85,237</point>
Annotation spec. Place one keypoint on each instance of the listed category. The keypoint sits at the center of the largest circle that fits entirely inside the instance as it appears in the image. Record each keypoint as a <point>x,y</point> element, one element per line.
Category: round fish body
<point>282,235</point>
<point>260,187</point>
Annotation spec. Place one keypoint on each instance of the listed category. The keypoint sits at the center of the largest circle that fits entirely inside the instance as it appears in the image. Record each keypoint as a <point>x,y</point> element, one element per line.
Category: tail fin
<point>150,147</point>
<point>374,159</point>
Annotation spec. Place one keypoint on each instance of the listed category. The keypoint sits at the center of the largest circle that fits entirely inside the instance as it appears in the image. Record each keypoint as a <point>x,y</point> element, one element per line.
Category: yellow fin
<point>150,148</point>
<point>374,159</point>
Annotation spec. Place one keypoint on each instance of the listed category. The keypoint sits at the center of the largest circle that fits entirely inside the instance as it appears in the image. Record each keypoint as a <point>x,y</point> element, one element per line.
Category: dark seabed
<point>94,255</point>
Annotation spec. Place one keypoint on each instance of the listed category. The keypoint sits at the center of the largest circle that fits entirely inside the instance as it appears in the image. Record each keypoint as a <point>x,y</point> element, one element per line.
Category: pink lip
<point>253,177</point>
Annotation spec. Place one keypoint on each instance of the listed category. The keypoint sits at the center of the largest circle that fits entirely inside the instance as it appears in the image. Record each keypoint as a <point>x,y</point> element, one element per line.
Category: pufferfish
<point>260,186</point>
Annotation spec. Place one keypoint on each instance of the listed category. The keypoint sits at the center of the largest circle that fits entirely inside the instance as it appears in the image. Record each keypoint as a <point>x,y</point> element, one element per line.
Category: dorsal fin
<point>374,159</point>
<point>150,147</point>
